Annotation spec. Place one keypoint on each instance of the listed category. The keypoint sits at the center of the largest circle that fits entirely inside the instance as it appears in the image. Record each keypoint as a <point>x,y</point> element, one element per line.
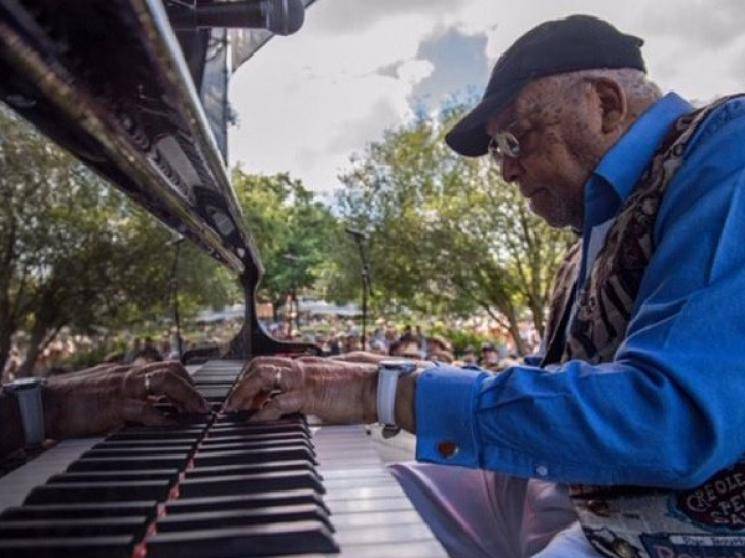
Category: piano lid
<point>109,81</point>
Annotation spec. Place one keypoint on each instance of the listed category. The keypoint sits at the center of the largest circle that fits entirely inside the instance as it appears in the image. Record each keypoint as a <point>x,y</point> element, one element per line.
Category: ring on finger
<point>277,381</point>
<point>148,387</point>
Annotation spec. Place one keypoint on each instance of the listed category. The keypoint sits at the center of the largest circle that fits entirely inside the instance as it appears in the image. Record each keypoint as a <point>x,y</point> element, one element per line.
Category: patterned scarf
<point>636,522</point>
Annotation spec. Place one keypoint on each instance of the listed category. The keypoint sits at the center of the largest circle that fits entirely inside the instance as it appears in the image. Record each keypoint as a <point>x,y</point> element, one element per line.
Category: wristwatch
<point>389,371</point>
<point>27,392</point>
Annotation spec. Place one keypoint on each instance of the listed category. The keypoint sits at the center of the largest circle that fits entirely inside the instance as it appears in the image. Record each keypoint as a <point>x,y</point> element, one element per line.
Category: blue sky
<point>308,102</point>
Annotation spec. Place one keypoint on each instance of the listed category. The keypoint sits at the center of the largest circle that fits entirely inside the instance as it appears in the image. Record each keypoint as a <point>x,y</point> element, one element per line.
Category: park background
<point>338,126</point>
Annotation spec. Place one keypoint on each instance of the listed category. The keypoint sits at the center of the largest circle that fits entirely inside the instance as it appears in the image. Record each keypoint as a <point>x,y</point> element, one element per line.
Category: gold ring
<point>147,383</point>
<point>277,380</point>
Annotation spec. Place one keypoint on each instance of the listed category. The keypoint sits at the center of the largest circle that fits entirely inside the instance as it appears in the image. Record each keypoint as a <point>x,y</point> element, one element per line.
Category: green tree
<point>77,253</point>
<point>294,232</point>
<point>446,233</point>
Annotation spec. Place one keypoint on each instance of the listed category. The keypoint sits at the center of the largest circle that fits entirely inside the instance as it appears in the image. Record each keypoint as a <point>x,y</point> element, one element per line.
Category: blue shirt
<point>669,410</point>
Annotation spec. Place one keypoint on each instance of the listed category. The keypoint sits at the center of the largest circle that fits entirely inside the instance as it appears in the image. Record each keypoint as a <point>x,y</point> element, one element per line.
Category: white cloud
<point>412,72</point>
<point>307,102</point>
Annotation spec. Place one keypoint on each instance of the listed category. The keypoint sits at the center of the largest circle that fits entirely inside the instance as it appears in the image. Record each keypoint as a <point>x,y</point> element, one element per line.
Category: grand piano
<point>137,90</point>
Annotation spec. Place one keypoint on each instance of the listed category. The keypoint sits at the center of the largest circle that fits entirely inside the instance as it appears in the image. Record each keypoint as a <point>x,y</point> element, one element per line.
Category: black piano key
<point>147,508</point>
<point>27,528</point>
<point>246,430</point>
<point>246,484</point>
<point>171,431</point>
<point>113,444</point>
<point>235,457</point>
<point>293,537</point>
<point>58,493</point>
<point>248,443</point>
<point>155,433</point>
<point>119,546</point>
<point>237,518</point>
<point>250,468</point>
<point>137,452</point>
<point>169,461</point>
<point>229,419</point>
<point>133,475</point>
<point>245,501</point>
<point>207,442</point>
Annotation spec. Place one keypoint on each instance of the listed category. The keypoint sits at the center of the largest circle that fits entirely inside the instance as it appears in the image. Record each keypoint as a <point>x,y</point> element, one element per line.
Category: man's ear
<point>613,103</point>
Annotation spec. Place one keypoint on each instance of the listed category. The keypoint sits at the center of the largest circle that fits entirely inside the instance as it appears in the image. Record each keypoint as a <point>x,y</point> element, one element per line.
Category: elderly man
<point>642,384</point>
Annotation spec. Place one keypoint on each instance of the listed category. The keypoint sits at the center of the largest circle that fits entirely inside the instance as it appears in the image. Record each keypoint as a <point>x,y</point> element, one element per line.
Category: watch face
<point>404,366</point>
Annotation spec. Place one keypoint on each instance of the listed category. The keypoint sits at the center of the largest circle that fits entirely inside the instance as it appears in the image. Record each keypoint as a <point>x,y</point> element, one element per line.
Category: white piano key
<point>17,484</point>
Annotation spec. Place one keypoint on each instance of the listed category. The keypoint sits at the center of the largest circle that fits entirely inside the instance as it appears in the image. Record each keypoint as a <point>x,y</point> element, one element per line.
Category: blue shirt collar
<point>624,163</point>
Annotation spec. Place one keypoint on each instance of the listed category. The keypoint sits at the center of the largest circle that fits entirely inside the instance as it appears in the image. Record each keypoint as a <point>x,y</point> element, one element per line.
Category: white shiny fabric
<point>479,514</point>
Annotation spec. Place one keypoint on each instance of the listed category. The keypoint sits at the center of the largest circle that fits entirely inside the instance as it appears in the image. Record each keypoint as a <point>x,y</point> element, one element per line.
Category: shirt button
<point>541,470</point>
<point>447,449</point>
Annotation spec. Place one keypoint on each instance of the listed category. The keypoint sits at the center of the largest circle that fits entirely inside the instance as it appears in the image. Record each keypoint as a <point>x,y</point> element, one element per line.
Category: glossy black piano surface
<point>137,89</point>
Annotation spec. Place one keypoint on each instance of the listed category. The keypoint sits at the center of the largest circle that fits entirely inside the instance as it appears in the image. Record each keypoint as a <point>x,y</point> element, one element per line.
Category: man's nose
<point>511,169</point>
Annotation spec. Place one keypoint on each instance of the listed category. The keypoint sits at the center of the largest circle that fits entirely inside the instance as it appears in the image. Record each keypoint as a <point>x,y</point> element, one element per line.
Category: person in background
<point>489,357</point>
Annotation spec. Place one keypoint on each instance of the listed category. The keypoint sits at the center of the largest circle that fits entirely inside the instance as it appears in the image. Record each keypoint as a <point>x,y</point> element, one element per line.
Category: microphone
<point>177,239</point>
<point>357,235</point>
<point>281,17</point>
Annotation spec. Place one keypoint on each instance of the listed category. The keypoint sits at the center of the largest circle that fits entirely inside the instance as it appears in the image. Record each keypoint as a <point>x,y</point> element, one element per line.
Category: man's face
<point>558,131</point>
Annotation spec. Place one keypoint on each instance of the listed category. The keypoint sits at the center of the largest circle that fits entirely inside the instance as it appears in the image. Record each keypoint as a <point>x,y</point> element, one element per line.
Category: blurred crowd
<point>469,343</point>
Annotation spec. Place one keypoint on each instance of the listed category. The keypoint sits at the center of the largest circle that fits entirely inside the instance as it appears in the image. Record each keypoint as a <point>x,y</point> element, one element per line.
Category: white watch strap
<point>387,385</point>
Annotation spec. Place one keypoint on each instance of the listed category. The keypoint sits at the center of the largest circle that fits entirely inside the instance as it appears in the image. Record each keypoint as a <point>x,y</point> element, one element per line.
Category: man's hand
<point>335,391</point>
<point>99,399</point>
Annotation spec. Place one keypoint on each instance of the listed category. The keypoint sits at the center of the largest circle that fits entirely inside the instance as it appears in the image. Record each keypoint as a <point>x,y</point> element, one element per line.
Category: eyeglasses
<point>504,144</point>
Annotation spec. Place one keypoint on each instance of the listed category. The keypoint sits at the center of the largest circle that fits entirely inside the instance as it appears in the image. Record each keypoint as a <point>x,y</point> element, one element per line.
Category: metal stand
<point>366,283</point>
<point>174,287</point>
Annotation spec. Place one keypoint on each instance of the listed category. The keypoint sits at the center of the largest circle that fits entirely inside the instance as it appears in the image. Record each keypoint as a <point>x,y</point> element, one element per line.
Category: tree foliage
<point>446,233</point>
<point>294,232</point>
<point>75,252</point>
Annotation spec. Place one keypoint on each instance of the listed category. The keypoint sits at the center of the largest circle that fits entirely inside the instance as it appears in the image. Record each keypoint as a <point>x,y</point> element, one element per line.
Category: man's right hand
<point>99,399</point>
<point>335,391</point>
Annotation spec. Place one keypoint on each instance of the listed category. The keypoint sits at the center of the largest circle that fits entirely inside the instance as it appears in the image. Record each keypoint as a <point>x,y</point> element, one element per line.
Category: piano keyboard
<point>212,488</point>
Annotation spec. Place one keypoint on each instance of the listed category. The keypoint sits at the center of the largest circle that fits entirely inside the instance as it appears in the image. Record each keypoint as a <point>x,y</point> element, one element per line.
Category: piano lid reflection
<point>137,90</point>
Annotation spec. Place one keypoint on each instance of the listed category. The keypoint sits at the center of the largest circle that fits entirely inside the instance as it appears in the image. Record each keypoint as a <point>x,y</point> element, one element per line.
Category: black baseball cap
<point>578,42</point>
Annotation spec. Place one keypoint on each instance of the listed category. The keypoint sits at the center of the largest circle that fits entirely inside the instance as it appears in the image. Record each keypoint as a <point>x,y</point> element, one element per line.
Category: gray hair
<point>640,90</point>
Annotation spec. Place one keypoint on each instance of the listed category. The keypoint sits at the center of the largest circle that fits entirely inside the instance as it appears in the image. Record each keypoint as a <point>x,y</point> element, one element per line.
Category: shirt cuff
<point>445,401</point>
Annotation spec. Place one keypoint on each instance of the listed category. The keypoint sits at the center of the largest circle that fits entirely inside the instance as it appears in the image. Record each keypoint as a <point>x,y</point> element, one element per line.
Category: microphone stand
<point>174,286</point>
<point>366,284</point>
